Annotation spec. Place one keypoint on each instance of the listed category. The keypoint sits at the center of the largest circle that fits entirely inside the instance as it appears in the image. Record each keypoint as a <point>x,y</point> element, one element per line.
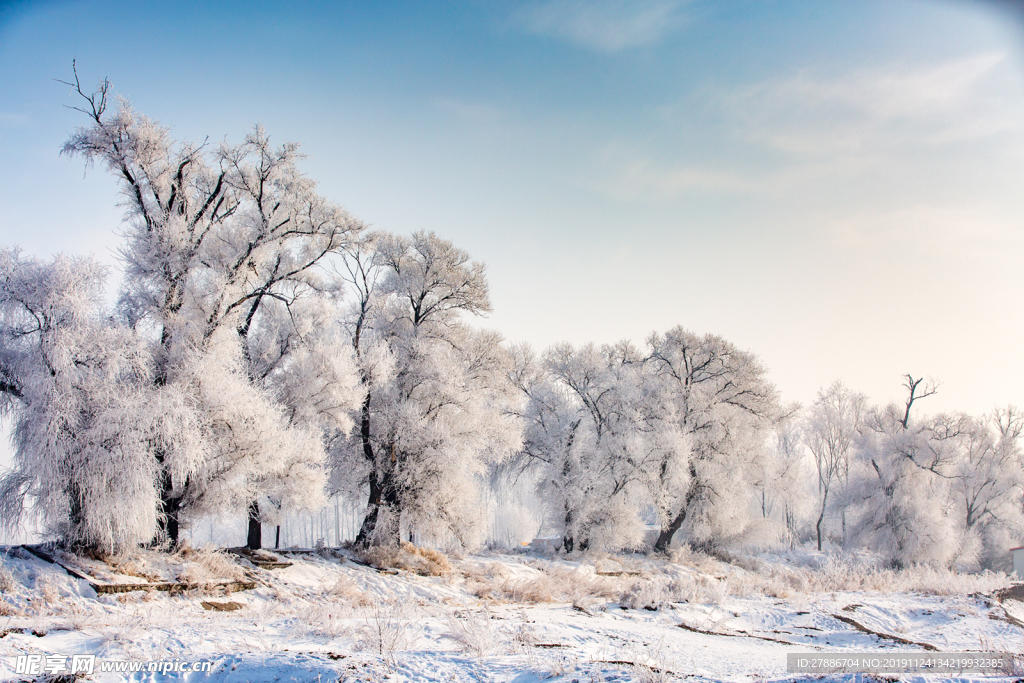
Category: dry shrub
<point>932,581</point>
<point>687,556</point>
<point>49,592</point>
<point>327,620</point>
<point>380,556</point>
<point>522,636</point>
<point>435,561</point>
<point>208,565</point>
<point>532,590</point>
<point>474,630</point>
<point>840,574</point>
<point>647,594</point>
<point>422,561</point>
<point>655,592</point>
<point>554,583</point>
<point>495,570</point>
<point>133,568</point>
<point>388,629</point>
<point>7,581</point>
<point>348,592</point>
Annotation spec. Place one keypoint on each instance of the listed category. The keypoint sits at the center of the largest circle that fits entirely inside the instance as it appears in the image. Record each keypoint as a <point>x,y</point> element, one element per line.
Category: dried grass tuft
<point>349,593</point>
<point>49,592</point>
<point>134,568</point>
<point>840,574</point>
<point>206,566</point>
<point>327,620</point>
<point>7,581</point>
<point>655,592</point>
<point>422,561</point>
<point>474,631</point>
<point>553,583</point>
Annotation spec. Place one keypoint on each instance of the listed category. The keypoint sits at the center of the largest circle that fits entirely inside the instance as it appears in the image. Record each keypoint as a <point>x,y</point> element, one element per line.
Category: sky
<point>835,186</point>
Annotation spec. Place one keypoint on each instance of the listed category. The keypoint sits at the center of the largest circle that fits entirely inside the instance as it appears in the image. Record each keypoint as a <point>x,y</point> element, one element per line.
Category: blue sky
<point>836,186</point>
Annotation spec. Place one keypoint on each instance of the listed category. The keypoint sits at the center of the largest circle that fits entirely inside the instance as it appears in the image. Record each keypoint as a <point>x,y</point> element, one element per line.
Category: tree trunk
<point>255,536</point>
<point>665,537</point>
<point>821,517</point>
<point>568,542</point>
<point>169,524</point>
<point>277,538</point>
<point>384,501</point>
<point>791,526</point>
<point>372,511</point>
<point>75,515</point>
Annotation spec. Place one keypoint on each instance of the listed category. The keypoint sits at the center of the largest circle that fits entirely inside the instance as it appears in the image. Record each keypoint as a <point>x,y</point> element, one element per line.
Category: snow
<point>329,618</point>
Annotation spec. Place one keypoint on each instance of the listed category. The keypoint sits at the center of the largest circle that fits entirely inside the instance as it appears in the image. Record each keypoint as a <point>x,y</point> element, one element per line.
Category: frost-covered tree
<point>901,492</point>
<point>215,237</point>
<point>601,438</point>
<point>725,406</point>
<point>681,431</point>
<point>783,476</point>
<point>549,452</point>
<point>832,425</point>
<point>591,480</point>
<point>77,386</point>
<point>437,403</point>
<point>988,484</point>
<point>299,357</point>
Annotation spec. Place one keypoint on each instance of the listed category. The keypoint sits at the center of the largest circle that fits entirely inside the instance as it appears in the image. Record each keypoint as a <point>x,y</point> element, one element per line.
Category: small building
<point>546,542</point>
<point>1018,562</point>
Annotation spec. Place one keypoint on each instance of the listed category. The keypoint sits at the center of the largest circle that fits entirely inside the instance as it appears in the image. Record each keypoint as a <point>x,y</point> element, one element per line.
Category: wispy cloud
<point>628,173</point>
<point>811,130</point>
<point>871,110</point>
<point>606,25</point>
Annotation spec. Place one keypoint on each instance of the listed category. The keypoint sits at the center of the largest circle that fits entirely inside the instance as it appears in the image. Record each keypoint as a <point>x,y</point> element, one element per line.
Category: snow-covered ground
<point>491,617</point>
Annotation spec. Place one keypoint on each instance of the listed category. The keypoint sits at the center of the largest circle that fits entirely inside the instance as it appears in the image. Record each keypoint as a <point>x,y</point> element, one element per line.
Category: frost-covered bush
<point>327,619</point>
<point>655,591</point>
<point>387,629</point>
